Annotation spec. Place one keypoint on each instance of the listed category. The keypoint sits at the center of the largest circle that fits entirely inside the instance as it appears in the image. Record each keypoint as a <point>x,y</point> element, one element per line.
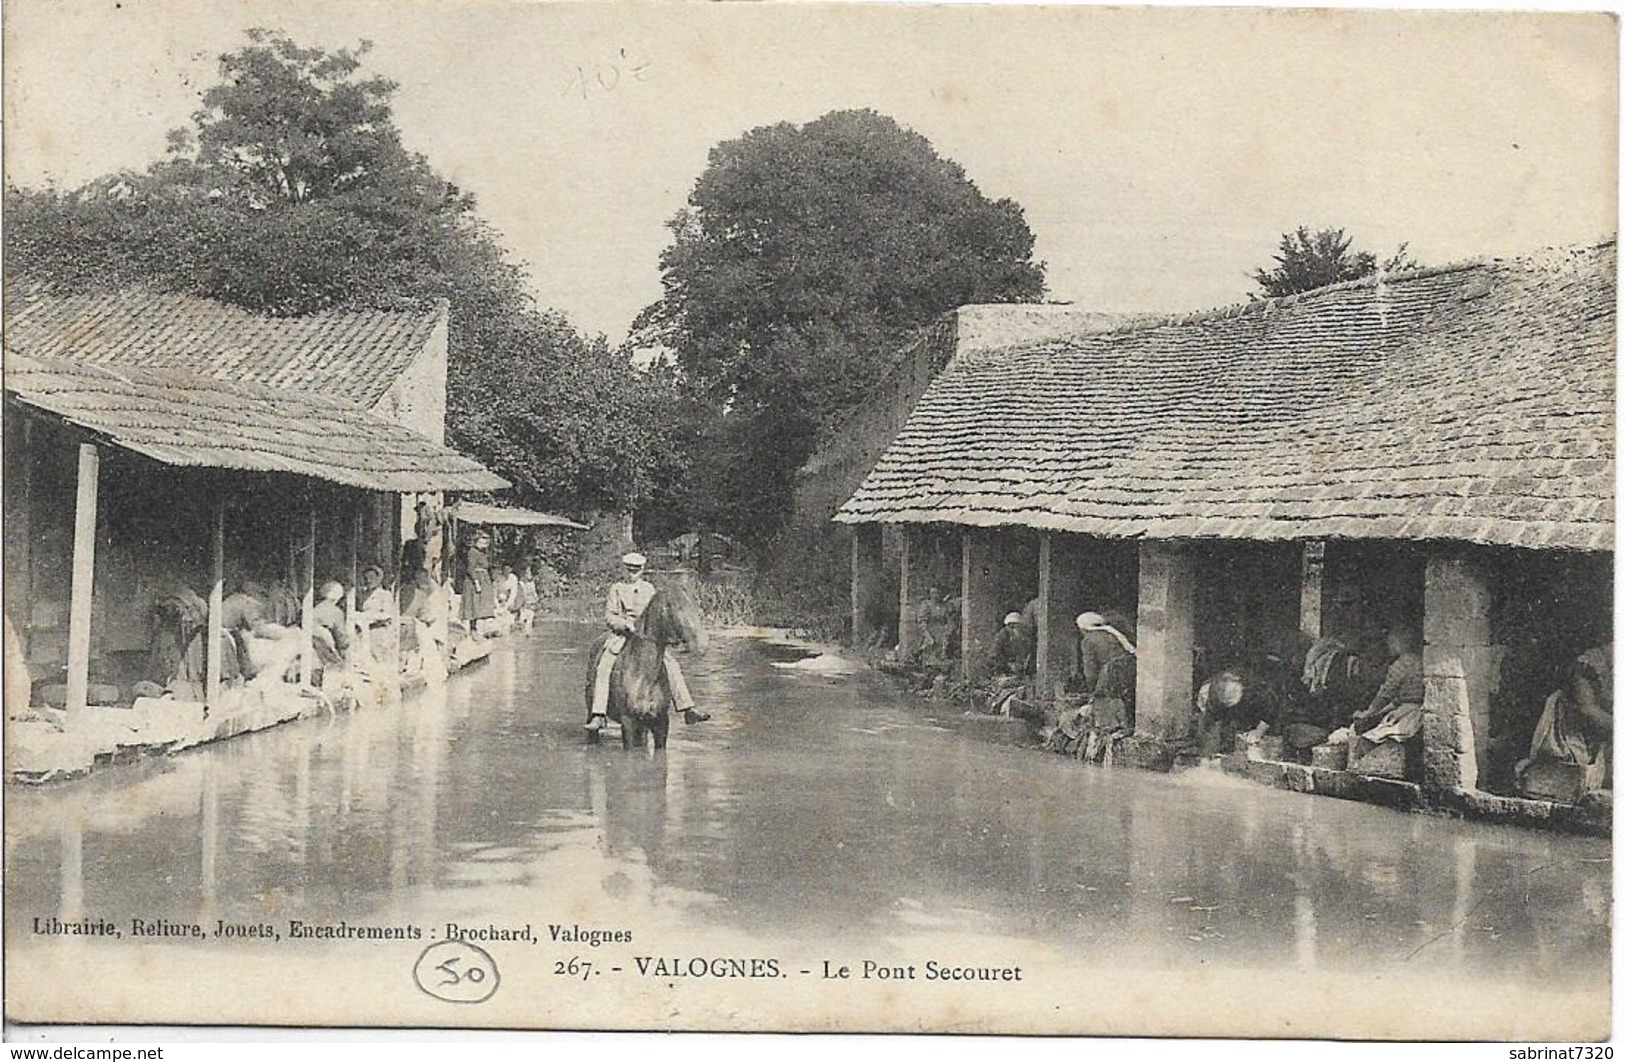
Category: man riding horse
<point>628,600</point>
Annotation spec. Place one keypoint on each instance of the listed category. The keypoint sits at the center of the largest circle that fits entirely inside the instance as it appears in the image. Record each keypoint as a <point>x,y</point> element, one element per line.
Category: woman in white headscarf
<point>1104,670</point>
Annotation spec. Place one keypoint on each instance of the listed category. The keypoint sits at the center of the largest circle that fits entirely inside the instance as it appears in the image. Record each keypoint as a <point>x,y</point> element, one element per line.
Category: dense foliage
<point>1308,260</point>
<point>292,193</point>
<point>803,258</point>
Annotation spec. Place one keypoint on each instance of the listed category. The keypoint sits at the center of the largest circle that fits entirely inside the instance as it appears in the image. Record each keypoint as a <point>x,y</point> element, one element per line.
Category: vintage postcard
<point>809,518</point>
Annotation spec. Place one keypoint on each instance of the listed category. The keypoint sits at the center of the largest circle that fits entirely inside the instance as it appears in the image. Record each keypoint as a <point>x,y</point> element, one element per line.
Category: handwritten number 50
<point>457,972</point>
<point>474,975</point>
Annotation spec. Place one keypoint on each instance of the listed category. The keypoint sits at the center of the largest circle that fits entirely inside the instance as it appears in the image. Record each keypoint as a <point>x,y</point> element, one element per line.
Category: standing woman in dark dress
<point>479,592</point>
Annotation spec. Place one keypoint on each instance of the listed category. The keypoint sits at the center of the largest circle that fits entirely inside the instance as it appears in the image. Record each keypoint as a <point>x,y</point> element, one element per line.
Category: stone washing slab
<point>1593,817</point>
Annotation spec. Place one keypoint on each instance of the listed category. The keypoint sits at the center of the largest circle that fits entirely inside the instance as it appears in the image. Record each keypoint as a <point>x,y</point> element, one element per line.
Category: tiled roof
<point>974,327</point>
<point>353,354</point>
<point>181,418</point>
<point>990,325</point>
<point>1471,403</point>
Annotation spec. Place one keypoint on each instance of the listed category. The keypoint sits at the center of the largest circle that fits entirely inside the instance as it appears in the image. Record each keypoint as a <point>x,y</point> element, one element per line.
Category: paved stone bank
<point>1593,818</point>
<point>1344,785</point>
<point>1148,754</point>
<point>41,746</point>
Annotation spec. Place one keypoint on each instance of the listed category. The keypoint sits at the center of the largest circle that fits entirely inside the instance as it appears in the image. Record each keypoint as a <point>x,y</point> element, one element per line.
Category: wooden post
<point>981,606</point>
<point>19,536</point>
<point>388,551</point>
<point>307,616</point>
<point>84,573</point>
<point>397,562</point>
<point>1060,579</point>
<point>355,560</point>
<point>217,597</point>
<point>451,540</point>
<point>291,577</point>
<point>360,634</point>
<point>866,581</point>
<point>908,590</point>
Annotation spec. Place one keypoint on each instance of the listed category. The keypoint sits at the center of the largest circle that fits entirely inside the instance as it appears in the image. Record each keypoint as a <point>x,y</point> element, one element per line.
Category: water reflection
<point>1303,902</point>
<point>73,868</point>
<point>813,808</point>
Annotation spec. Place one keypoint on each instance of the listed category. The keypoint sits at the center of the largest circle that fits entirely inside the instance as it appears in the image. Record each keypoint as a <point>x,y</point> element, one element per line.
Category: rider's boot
<point>694,715</point>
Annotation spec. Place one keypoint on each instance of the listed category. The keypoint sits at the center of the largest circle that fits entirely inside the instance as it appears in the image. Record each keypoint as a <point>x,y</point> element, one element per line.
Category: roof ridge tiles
<point>1265,306</point>
<point>1343,418</point>
<point>193,419</point>
<point>360,350</point>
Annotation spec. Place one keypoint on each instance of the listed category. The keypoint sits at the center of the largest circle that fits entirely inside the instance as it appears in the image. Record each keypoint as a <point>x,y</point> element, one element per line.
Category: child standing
<point>528,598</point>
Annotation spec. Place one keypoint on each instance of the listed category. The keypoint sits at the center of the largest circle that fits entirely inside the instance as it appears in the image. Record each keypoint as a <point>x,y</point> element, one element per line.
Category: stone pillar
<point>911,584</point>
<point>1311,604</point>
<point>1457,663</point>
<point>1060,572</point>
<point>1164,690</point>
<point>867,581</point>
<point>981,599</point>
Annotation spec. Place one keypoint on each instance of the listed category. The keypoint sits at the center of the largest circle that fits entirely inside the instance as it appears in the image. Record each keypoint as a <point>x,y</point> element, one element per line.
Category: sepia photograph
<point>987,519</point>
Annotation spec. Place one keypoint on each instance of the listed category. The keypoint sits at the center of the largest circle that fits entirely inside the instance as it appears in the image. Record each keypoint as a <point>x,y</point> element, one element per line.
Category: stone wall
<point>417,398</point>
<point>853,445</point>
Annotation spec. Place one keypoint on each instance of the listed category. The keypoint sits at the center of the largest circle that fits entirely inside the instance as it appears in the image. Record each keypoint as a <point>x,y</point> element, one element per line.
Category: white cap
<point>1012,617</point>
<point>1091,621</point>
<point>634,560</point>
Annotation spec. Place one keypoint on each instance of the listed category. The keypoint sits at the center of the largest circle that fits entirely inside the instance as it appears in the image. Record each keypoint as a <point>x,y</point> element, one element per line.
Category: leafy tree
<point>590,433</point>
<point>1308,260</point>
<point>296,124</point>
<point>804,256</point>
<point>292,193</point>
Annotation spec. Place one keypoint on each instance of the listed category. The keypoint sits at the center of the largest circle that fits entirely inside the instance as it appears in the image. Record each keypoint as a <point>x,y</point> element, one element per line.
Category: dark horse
<point>639,695</point>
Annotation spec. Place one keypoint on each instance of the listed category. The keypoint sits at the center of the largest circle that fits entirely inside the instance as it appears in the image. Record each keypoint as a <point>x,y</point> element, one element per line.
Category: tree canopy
<point>803,258</point>
<point>296,124</point>
<point>1307,260</point>
<point>290,193</point>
